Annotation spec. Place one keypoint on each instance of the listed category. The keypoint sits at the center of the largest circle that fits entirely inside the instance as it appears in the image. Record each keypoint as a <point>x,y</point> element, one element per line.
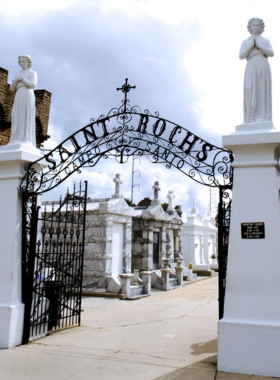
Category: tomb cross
<point>118,182</point>
<point>194,209</point>
<point>125,89</point>
<point>170,197</point>
<point>156,189</point>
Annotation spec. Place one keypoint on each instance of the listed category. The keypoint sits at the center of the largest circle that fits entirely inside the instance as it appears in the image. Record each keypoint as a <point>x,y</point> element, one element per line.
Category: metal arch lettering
<point>124,132</point>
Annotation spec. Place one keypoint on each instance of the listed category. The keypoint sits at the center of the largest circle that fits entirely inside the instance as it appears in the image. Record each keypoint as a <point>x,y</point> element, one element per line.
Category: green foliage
<point>128,201</point>
<point>164,206</point>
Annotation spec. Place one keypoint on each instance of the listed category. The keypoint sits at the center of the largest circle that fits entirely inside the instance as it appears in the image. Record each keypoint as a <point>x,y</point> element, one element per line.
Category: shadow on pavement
<point>204,348</point>
<point>202,370</point>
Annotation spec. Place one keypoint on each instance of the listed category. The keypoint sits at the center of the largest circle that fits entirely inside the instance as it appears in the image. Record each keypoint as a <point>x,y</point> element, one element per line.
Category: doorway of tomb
<point>155,250</point>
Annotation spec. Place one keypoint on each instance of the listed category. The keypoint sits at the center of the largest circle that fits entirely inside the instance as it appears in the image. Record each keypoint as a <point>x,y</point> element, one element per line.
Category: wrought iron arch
<point>127,131</point>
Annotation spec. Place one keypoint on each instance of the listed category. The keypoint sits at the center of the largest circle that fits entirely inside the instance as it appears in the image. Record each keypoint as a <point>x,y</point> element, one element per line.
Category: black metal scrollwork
<point>224,213</point>
<point>127,131</point>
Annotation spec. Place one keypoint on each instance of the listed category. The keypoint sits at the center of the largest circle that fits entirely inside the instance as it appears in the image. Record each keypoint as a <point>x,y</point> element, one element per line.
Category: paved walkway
<point>169,336</point>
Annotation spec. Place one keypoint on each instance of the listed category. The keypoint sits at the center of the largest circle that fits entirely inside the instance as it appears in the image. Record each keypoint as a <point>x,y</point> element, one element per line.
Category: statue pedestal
<point>249,333</point>
<point>261,126</point>
<point>12,165</point>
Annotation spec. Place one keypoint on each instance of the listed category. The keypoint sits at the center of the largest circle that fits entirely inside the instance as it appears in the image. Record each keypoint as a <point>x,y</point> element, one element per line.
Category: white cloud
<point>182,56</point>
<point>33,7</point>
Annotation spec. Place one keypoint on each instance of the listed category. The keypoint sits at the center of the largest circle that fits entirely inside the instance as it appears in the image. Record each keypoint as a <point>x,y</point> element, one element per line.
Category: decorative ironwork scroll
<point>53,263</point>
<point>127,131</point>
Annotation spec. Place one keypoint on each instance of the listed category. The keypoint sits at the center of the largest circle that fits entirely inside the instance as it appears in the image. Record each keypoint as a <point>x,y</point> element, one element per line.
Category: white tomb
<point>107,242</point>
<point>199,241</point>
<point>156,241</point>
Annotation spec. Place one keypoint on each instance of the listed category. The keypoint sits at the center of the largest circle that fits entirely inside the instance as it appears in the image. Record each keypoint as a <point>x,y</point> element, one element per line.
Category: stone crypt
<point>157,242</point>
<point>199,235</point>
<point>107,259</point>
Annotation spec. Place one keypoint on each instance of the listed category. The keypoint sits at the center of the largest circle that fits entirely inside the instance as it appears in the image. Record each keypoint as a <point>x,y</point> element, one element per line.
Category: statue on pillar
<point>257,106</point>
<point>23,129</point>
<point>118,182</point>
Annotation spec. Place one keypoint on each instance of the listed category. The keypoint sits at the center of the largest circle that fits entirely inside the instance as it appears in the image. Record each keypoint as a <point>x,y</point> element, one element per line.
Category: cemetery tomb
<point>156,242</point>
<point>199,242</point>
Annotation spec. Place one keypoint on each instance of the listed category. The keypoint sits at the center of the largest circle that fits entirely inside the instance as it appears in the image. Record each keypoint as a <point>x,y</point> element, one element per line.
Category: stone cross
<point>194,209</point>
<point>156,189</point>
<point>170,197</point>
<point>118,182</point>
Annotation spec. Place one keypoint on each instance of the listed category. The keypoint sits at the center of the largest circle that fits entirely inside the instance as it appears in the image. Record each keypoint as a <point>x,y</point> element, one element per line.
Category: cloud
<point>181,55</point>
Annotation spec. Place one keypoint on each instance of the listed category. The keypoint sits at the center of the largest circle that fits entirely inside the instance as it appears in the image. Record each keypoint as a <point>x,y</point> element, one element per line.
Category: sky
<point>182,56</point>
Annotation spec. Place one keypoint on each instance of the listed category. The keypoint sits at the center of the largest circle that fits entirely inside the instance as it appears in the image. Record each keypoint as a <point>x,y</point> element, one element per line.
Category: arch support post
<point>12,164</point>
<point>249,332</point>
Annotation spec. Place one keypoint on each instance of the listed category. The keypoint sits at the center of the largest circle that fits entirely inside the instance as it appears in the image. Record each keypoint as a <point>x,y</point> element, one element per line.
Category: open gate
<point>51,293</point>
<point>53,248</point>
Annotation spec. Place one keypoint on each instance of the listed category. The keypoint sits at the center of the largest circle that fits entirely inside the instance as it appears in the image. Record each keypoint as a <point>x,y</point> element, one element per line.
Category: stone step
<point>136,291</point>
<point>173,282</point>
<point>138,297</point>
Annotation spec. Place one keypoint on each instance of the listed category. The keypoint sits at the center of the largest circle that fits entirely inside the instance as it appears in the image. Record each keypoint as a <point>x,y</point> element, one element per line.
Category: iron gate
<point>53,249</point>
<point>224,211</point>
<point>123,132</point>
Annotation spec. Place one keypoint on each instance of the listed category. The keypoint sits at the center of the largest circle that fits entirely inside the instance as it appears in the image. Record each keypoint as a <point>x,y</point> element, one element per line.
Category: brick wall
<point>43,104</point>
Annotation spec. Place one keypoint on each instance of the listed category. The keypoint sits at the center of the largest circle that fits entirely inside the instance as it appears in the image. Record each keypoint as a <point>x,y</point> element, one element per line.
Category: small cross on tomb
<point>170,197</point>
<point>156,189</point>
<point>194,209</point>
<point>118,182</point>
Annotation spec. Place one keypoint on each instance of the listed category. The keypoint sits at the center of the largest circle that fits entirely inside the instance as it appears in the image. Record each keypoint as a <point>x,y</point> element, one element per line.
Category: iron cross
<point>125,89</point>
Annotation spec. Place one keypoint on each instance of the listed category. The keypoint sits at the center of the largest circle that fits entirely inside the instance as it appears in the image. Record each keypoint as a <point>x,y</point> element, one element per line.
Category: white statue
<point>23,114</point>
<point>257,81</point>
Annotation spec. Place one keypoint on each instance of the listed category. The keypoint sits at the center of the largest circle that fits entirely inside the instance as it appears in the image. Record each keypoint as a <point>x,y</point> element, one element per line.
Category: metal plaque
<point>252,230</point>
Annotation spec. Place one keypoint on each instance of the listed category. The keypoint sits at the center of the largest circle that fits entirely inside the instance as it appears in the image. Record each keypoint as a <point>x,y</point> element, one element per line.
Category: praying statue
<point>257,82</point>
<point>23,114</point>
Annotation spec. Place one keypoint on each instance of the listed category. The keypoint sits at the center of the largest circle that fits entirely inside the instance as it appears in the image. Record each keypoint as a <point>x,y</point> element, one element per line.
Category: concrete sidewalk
<point>168,336</point>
